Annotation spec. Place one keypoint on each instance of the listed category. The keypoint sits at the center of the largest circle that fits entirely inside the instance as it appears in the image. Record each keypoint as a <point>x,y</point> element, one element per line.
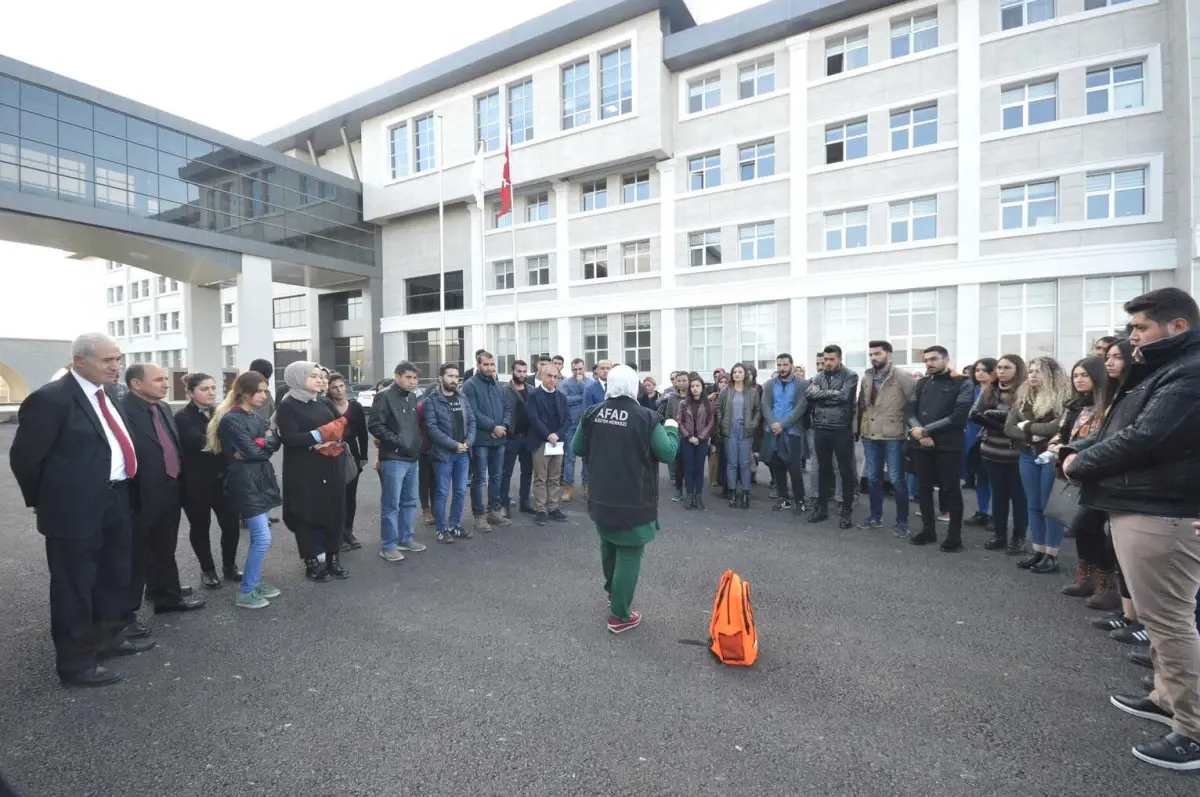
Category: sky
<point>244,67</point>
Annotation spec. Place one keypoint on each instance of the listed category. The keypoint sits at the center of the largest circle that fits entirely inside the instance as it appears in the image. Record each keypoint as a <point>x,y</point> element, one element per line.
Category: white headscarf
<point>622,381</point>
<point>295,376</point>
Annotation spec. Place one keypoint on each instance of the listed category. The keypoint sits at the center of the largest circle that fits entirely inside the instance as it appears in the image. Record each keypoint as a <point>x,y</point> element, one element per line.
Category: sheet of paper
<point>554,449</point>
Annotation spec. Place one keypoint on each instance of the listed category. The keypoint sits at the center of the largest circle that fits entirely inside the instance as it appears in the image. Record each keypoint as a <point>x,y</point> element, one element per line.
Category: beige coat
<point>884,420</point>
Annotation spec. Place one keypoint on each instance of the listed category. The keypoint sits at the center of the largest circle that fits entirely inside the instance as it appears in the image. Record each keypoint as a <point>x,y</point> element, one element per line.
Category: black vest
<point>622,472</point>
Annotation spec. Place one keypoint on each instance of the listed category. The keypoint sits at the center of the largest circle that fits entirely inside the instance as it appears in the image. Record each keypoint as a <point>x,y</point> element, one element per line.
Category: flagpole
<point>441,156</point>
<point>483,265</point>
<point>512,228</point>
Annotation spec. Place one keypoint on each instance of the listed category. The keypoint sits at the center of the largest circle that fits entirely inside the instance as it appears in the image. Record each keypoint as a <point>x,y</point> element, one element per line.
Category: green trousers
<point>622,565</point>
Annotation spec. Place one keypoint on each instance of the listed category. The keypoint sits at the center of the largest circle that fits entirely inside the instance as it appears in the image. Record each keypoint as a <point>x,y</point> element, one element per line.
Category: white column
<point>969,157</point>
<point>562,240</point>
<point>664,350</point>
<point>798,346</point>
<point>478,267</point>
<point>562,343</point>
<point>202,326</point>
<point>667,256</point>
<point>798,160</point>
<point>255,309</point>
<point>966,334</point>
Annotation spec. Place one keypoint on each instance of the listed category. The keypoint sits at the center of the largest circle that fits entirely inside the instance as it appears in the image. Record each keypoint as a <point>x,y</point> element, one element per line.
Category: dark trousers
<point>1007,491</point>
<point>200,503</point>
<point>1092,545</point>
<point>426,482</point>
<point>312,540</point>
<point>693,465</point>
<point>793,466</point>
<point>154,574</point>
<point>351,507</point>
<point>679,468</point>
<point>515,451</point>
<point>89,586</point>
<point>839,443</point>
<point>940,468</point>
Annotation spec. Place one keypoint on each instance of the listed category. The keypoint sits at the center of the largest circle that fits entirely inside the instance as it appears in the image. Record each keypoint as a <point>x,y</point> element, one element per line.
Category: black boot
<point>746,499</point>
<point>1047,564</point>
<point>691,501</point>
<point>210,580</point>
<point>233,573</point>
<point>314,570</point>
<point>700,501</point>
<point>926,537</point>
<point>735,499</point>
<point>1030,561</point>
<point>333,566</point>
<point>844,521</point>
<point>1016,546</point>
<point>998,542</point>
<point>979,520</point>
<point>819,513</point>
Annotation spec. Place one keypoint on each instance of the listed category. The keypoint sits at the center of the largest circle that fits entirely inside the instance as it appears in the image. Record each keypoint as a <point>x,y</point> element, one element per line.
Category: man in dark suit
<point>157,498</point>
<point>73,460</point>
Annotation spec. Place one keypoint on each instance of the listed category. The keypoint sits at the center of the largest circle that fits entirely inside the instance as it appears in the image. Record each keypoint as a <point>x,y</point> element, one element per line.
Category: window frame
<point>504,346</point>
<point>759,157</point>
<point>852,345</point>
<point>1025,307</point>
<point>1113,302</point>
<point>1112,192</point>
<point>838,49</point>
<point>595,257</point>
<point>637,252</point>
<point>580,73</point>
<point>594,353</point>
<point>593,193</point>
<point>912,217</point>
<point>843,228</point>
<point>425,154</point>
<point>706,167</point>
<point>760,237</point>
<point>537,207</point>
<point>1111,86</point>
<point>521,127</point>
<point>294,313</point>
<point>635,181</point>
<point>909,29</point>
<point>1026,104</point>
<point>400,150</point>
<point>624,81</point>
<point>906,122</point>
<point>1024,20</point>
<point>698,243</point>
<point>504,276</point>
<point>706,354</point>
<point>540,268</point>
<point>764,350</point>
<point>838,139</point>
<point>484,132</point>
<point>708,93</point>
<point>1025,203</point>
<point>904,342</point>
<point>542,329</point>
<point>638,324</point>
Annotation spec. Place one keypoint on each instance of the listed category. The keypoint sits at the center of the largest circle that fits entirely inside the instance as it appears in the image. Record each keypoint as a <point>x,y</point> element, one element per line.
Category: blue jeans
<point>737,460</point>
<point>1038,481</point>
<point>260,541</point>
<point>398,503</point>
<point>875,454</point>
<point>983,484</point>
<point>516,452</point>
<point>569,458</point>
<point>451,473</point>
<point>693,465</point>
<point>488,460</point>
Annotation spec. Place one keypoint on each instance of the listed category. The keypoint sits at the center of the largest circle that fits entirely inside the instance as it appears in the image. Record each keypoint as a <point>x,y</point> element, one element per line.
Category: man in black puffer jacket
<point>833,397</point>
<point>1143,468</point>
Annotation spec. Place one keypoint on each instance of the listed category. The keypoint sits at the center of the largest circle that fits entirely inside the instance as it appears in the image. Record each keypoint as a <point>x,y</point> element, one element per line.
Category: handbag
<point>1063,504</point>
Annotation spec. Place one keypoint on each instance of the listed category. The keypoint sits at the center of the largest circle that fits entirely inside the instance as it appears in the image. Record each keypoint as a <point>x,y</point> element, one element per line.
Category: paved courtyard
<point>484,668</point>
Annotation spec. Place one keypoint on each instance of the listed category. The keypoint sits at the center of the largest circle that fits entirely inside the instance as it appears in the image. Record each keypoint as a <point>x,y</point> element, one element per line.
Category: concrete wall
<point>26,365</point>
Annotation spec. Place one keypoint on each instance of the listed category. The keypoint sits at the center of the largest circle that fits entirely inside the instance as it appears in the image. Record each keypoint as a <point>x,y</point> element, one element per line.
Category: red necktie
<point>170,456</point>
<point>119,433</point>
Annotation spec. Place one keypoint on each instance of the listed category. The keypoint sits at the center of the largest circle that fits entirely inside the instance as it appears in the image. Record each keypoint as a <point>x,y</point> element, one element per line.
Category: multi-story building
<point>992,175</point>
<point>147,313</point>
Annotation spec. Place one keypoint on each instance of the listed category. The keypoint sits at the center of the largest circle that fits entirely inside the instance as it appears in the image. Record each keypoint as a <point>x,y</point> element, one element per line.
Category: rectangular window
<point>347,306</point>
<point>230,357</point>
<point>846,52</point>
<point>704,93</point>
<point>537,207</point>
<point>756,79</point>
<point>757,334</point>
<point>505,279</point>
<point>162,322</point>
<point>425,351</point>
<point>145,289</point>
<point>137,326</point>
<point>174,285</point>
<point>637,340</point>
<point>704,171</point>
<point>705,338</point>
<point>913,220</point>
<point>914,34</point>
<point>912,325</point>
<point>487,121</point>
<point>1019,13</point>
<point>1116,195</point>
<point>175,321</point>
<point>520,111</point>
<point>756,160</point>
<point>135,291</point>
<point>425,143</point>
<point>635,187</point>
<point>756,241</point>
<point>595,195</point>
<point>846,325</point>
<point>505,347</point>
<point>421,293</point>
<point>1104,305</point>
<point>348,358</point>
<point>576,95</point>
<point>502,221</point>
<point>538,268</point>
<point>845,229</point>
<point>635,257</point>
<point>914,127</point>
<point>112,328</point>
<point>1029,104</point>
<point>846,142</point>
<point>1093,5</point>
<point>227,313</point>
<point>289,312</point>
<point>1029,205</point>
<point>162,285</point>
<point>595,340</point>
<point>121,328</point>
<point>537,333</point>
<point>704,248</point>
<point>616,82</point>
<point>595,263</point>
<point>1026,318</point>
<point>1116,88</point>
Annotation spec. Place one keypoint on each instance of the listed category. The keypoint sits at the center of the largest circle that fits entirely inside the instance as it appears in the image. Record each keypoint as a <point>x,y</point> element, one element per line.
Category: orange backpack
<point>733,638</point>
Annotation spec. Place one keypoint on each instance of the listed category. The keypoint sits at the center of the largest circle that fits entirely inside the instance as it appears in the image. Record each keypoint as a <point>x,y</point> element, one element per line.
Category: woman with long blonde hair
<point>1034,419</point>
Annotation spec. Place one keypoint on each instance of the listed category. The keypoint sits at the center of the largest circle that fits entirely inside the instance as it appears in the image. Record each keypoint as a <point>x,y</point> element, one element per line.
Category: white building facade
<point>993,176</point>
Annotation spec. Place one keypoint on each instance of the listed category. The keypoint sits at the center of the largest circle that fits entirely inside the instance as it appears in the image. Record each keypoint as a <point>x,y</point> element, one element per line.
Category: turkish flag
<point>506,184</point>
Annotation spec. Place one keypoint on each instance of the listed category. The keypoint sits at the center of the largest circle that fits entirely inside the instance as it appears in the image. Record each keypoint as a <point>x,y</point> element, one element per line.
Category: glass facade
<point>58,146</point>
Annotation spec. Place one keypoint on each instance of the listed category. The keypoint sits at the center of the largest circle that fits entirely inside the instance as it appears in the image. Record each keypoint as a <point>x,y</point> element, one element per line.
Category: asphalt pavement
<point>484,668</point>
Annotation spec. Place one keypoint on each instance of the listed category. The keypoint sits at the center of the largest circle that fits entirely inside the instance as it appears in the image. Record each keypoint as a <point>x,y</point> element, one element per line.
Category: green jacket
<point>664,443</point>
<point>751,415</point>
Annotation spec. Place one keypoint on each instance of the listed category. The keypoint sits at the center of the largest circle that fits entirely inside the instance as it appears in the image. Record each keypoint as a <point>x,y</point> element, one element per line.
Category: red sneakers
<point>617,626</point>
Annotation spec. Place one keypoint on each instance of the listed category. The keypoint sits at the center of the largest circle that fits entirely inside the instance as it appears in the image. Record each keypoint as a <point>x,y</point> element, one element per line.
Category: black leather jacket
<point>393,420</point>
<point>940,405</point>
<point>1145,459</point>
<point>835,402</point>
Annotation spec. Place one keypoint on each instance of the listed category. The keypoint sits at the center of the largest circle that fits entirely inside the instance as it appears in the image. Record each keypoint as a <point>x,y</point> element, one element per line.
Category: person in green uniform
<point>622,443</point>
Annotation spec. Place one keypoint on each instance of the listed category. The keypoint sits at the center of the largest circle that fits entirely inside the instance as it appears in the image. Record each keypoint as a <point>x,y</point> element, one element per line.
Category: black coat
<point>204,471</point>
<point>835,404</point>
<point>1145,458</point>
<point>940,405</point>
<point>150,496</point>
<point>249,476</point>
<point>356,437</point>
<point>314,485</point>
<point>61,458</point>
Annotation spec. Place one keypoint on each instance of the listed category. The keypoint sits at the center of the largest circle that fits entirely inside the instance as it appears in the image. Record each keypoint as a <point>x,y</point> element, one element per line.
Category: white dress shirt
<point>117,469</point>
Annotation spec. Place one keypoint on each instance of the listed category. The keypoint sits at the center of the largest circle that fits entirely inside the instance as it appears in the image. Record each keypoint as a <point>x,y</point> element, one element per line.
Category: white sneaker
<point>411,547</point>
<point>392,555</point>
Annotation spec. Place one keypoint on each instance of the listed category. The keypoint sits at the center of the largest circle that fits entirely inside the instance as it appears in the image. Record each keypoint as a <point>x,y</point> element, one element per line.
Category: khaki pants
<point>1160,559</point>
<point>547,480</point>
